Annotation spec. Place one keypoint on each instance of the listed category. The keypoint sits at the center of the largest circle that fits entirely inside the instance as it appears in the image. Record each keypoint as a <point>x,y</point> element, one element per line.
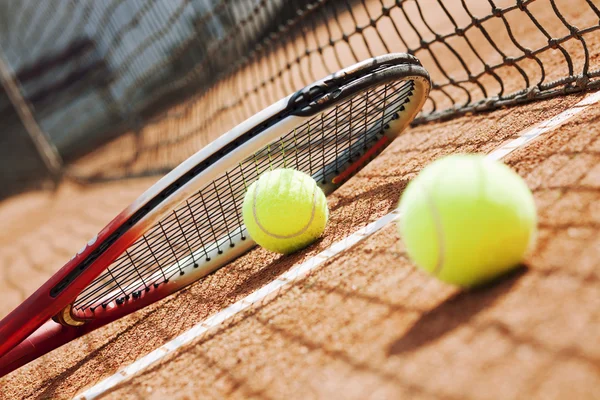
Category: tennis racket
<point>189,223</point>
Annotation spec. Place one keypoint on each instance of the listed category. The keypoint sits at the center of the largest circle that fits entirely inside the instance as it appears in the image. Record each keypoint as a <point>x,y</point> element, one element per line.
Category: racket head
<point>189,223</point>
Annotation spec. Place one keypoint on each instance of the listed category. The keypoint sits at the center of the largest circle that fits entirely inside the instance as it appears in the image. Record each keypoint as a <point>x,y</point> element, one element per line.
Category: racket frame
<point>30,327</point>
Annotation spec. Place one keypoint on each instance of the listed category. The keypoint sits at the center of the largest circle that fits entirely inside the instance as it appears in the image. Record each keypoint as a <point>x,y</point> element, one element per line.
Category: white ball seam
<point>293,235</point>
<point>437,220</point>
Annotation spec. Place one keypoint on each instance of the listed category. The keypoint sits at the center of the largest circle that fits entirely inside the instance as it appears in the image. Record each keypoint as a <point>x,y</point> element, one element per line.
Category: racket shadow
<point>360,215</point>
<point>53,383</point>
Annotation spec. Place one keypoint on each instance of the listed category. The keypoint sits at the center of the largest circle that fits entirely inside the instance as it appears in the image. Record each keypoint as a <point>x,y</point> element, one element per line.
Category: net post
<point>45,148</point>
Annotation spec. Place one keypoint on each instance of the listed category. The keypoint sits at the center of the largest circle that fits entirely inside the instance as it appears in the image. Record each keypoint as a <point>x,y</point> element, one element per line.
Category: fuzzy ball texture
<point>285,211</point>
<point>467,219</point>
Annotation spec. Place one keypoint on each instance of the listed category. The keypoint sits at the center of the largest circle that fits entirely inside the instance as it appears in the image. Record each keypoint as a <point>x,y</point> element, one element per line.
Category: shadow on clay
<point>454,312</point>
<point>282,264</point>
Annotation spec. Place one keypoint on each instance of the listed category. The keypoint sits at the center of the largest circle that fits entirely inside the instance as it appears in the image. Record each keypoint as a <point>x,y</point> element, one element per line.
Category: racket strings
<point>209,222</point>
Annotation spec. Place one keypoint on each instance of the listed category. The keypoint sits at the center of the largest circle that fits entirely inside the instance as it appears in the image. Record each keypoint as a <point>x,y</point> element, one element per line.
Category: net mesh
<point>167,77</point>
<point>210,220</point>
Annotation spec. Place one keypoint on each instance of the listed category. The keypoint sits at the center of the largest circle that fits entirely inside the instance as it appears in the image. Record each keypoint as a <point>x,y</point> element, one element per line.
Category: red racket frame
<point>29,331</point>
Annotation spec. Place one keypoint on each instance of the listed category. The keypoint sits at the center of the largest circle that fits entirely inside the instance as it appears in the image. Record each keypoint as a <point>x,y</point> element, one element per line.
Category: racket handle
<point>47,338</point>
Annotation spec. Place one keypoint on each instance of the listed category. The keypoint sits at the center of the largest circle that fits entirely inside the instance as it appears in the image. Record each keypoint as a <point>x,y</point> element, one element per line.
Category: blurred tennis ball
<point>467,219</point>
<point>285,211</point>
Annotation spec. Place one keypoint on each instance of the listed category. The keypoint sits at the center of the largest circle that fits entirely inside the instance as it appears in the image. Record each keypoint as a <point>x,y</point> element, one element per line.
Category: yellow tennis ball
<point>285,211</point>
<point>467,219</point>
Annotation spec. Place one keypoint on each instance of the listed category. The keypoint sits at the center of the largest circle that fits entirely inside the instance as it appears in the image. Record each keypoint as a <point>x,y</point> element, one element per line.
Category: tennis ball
<point>467,219</point>
<point>285,211</point>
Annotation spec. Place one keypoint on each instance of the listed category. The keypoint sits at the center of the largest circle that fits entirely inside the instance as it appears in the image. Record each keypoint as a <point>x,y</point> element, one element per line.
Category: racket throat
<point>66,318</point>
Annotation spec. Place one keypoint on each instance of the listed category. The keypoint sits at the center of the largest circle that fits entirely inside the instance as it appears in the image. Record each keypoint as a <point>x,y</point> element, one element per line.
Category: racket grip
<point>47,338</point>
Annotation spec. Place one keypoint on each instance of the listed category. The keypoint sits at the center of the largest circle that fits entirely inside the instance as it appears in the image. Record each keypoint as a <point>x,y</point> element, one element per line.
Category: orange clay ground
<point>367,324</point>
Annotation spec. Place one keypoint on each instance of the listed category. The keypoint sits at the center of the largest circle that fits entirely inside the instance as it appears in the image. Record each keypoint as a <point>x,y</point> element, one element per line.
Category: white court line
<point>300,271</point>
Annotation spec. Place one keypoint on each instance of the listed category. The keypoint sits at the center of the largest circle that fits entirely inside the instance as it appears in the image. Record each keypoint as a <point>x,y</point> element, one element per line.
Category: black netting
<point>210,220</point>
<point>167,77</point>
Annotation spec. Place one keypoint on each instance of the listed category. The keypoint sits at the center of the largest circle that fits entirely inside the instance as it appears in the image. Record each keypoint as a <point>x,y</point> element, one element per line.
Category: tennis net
<point>150,82</point>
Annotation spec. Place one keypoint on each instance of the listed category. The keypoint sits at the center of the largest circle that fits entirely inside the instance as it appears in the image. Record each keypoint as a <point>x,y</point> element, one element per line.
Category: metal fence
<point>165,77</point>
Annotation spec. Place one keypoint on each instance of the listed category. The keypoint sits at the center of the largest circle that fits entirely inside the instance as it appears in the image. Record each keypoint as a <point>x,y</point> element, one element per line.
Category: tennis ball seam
<point>274,235</point>
<point>437,220</point>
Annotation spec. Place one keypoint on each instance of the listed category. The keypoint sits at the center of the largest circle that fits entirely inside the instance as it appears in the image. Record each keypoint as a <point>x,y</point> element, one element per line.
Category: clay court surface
<point>366,324</point>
